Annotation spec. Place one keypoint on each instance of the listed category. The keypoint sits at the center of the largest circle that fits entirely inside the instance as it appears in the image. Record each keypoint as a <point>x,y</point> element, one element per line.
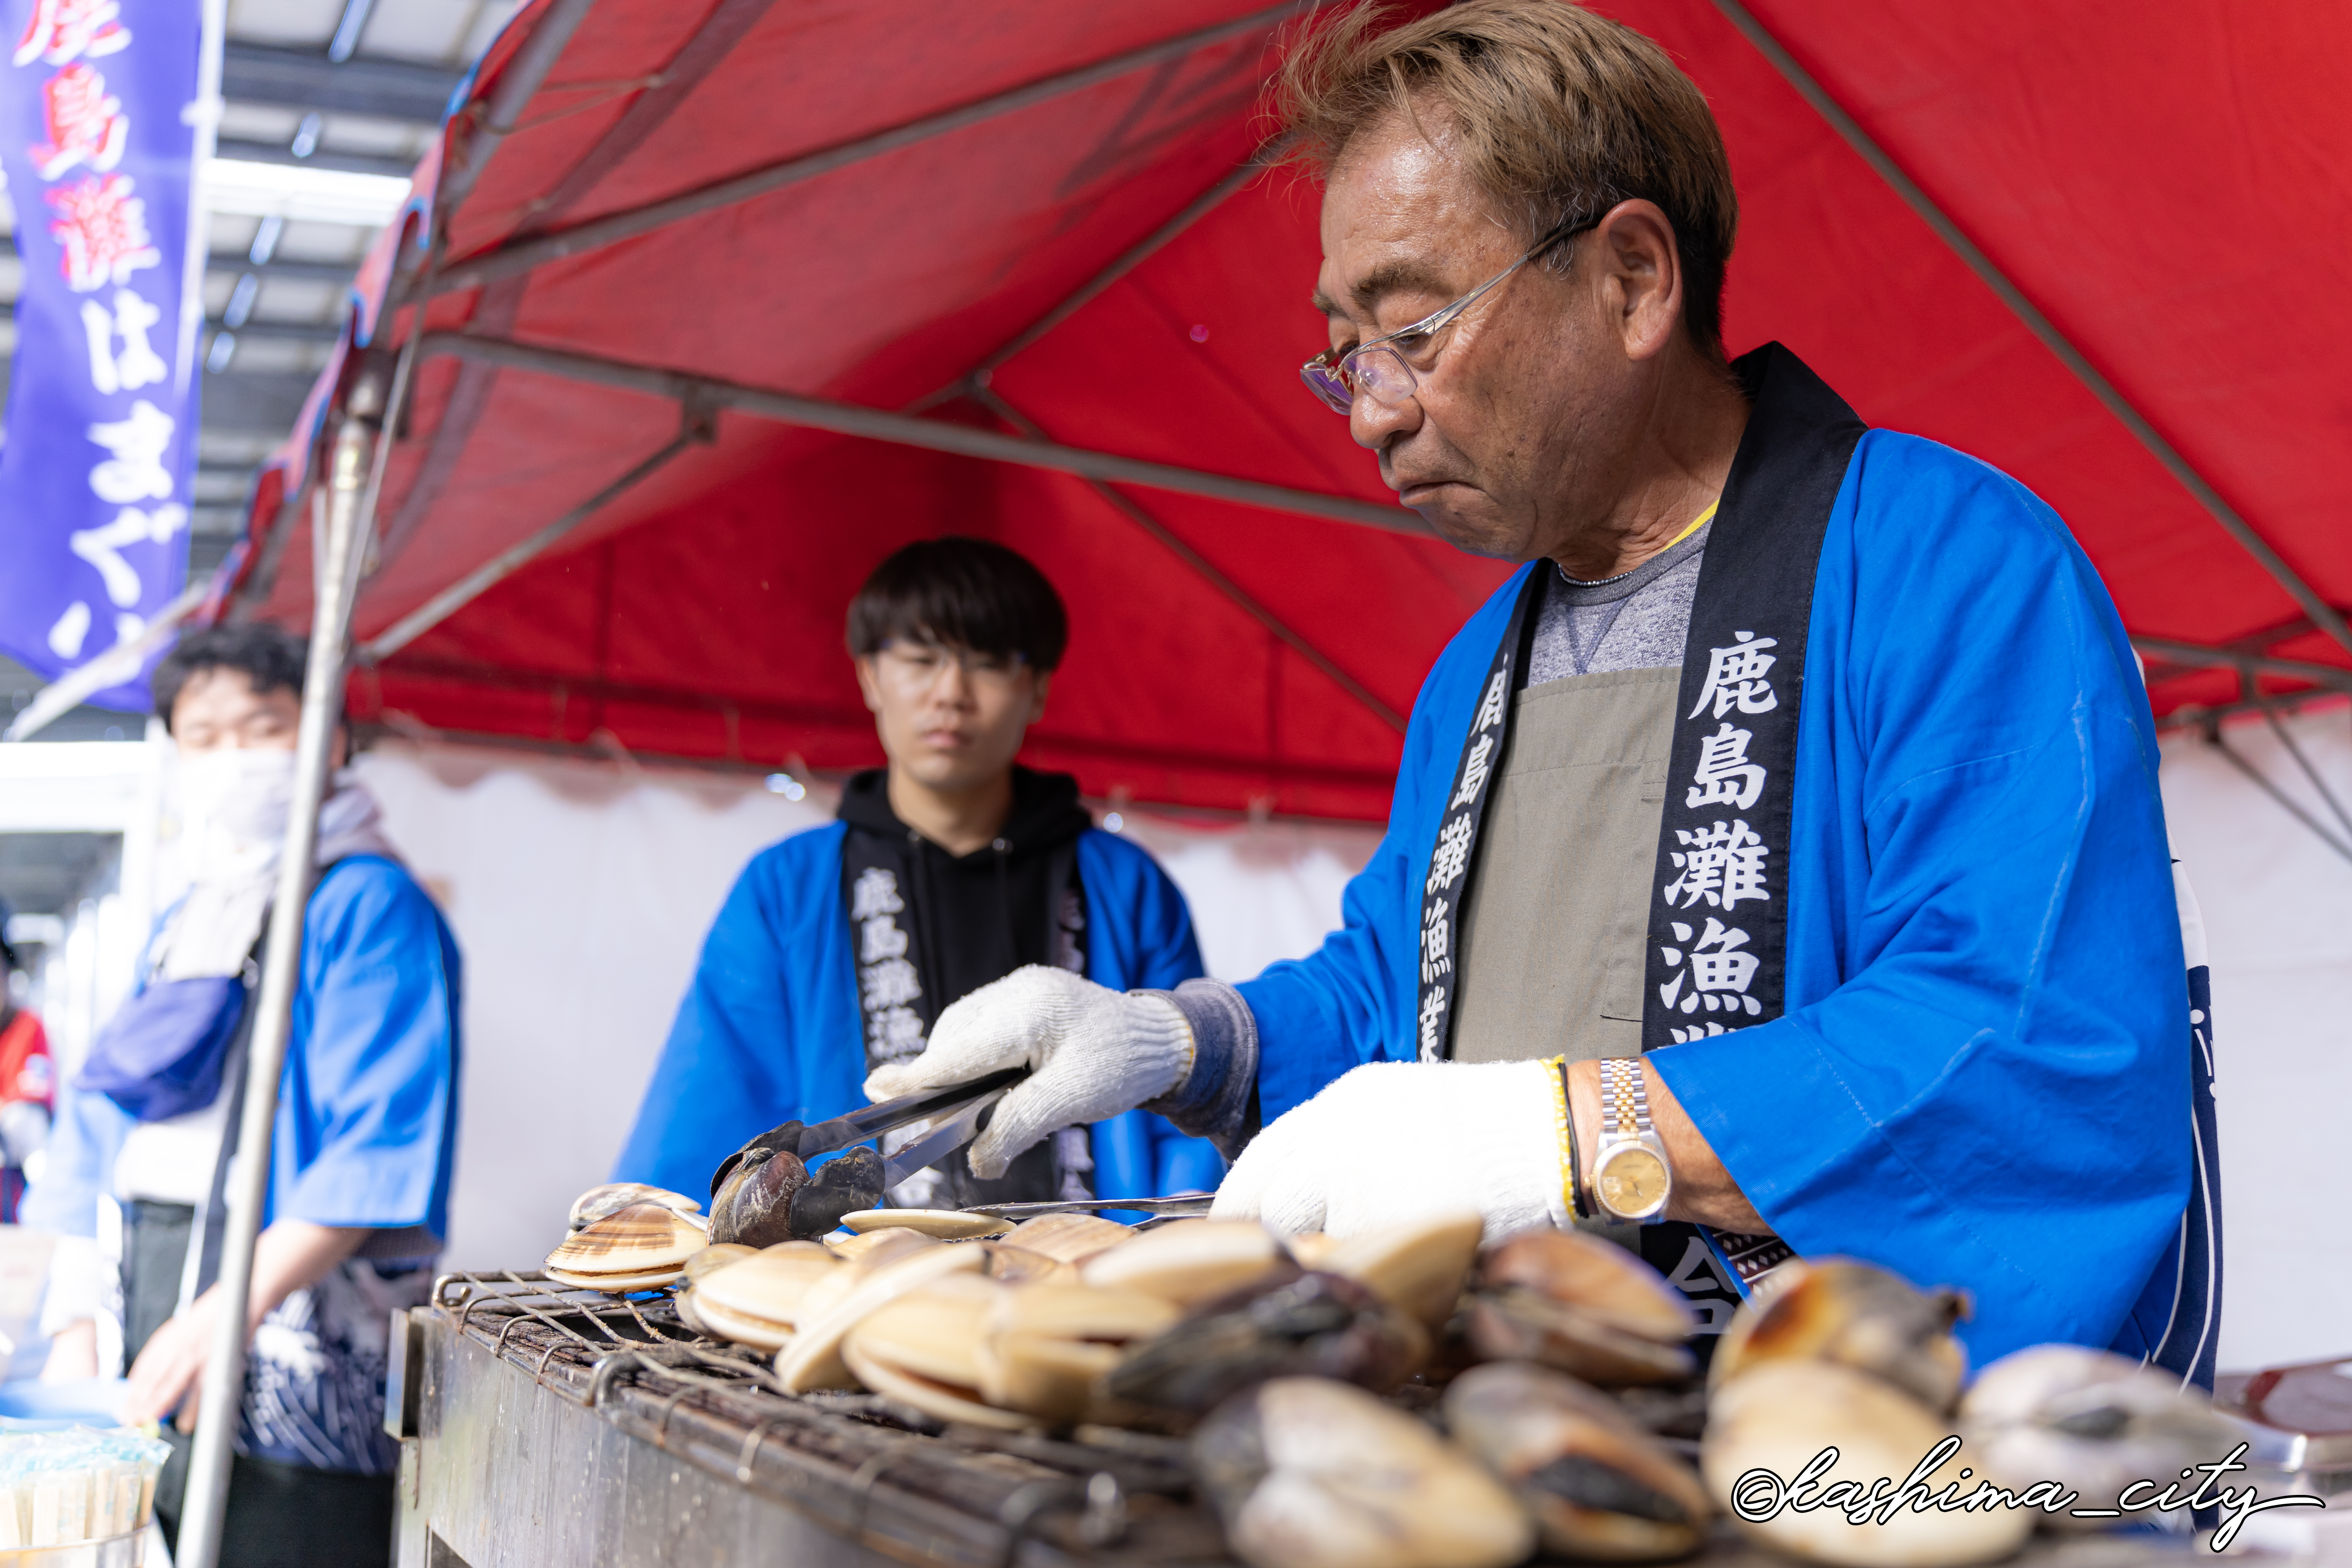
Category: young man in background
<point>359,1160</point>
<point>949,869</point>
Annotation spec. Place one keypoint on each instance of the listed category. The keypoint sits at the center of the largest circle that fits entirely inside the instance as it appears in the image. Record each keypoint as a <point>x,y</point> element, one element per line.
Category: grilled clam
<point>1776,1416</point>
<point>923,1349</point>
<point>877,1246</point>
<point>758,1300</point>
<point>1585,1306</point>
<point>1321,1325</point>
<point>813,1360</point>
<point>2091,1421</point>
<point>1599,1485</point>
<point>1190,1260</point>
<point>1045,1348</point>
<point>717,1256</point>
<point>1069,1237</point>
<point>947,1224</point>
<point>614,1196</point>
<point>1853,1314</point>
<point>764,1194</point>
<point>640,1247</point>
<point>1418,1267</point>
<point>1307,1473</point>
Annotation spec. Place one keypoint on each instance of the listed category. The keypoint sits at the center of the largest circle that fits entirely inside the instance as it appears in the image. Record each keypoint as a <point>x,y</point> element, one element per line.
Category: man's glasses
<point>1378,370</point>
<point>919,664</point>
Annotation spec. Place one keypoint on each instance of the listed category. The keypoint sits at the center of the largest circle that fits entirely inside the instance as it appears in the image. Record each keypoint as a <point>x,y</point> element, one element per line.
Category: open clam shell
<point>1418,1267</point>
<point>1307,1473</point>
<point>1853,1314</point>
<point>635,1248</point>
<point>1597,1278</point>
<point>758,1300</point>
<point>1777,1415</point>
<point>1518,1324</point>
<point>1045,1348</point>
<point>1320,1325</point>
<point>1190,1260</point>
<point>1069,1237</point>
<point>947,1224</point>
<point>814,1358</point>
<point>614,1196</point>
<point>1599,1485</point>
<point>923,1349</point>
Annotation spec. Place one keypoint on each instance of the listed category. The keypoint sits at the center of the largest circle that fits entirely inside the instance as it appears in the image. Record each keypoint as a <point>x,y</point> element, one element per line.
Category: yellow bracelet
<point>1570,1190</point>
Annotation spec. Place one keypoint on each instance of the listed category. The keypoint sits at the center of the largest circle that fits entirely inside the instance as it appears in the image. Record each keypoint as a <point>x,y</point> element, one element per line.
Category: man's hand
<point>1093,1053</point>
<point>1392,1141</point>
<point>289,1255</point>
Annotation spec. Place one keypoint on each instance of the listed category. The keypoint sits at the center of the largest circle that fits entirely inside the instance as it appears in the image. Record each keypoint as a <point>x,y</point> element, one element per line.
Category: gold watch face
<point>1630,1183</point>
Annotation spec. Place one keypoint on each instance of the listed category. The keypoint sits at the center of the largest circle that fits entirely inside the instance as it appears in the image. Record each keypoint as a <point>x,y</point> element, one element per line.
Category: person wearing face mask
<point>949,869</point>
<point>361,1155</point>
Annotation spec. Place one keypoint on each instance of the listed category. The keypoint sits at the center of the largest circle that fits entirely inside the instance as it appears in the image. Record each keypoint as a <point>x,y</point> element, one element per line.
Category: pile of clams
<point>1408,1398</point>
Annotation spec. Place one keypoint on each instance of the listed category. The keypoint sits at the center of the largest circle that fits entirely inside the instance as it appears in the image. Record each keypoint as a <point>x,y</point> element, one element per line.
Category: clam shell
<point>759,1299</point>
<point>1083,1312</point>
<point>1597,1278</point>
<point>1777,1415</point>
<point>922,1347</point>
<point>878,1246</point>
<point>1599,1486</point>
<point>617,1284</point>
<point>1518,1324</point>
<point>1856,1315</point>
<point>814,1358</point>
<point>947,1224</point>
<point>717,1257</point>
<point>1419,1266</point>
<point>614,1196</point>
<point>2094,1421</point>
<point>1070,1237</point>
<point>638,1239</point>
<point>1019,1266</point>
<point>1190,1260</point>
<point>1053,1379</point>
<point>1307,1473</point>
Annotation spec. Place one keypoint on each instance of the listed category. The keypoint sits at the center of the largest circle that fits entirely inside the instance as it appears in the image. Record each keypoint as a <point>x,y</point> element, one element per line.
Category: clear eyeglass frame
<point>1378,370</point>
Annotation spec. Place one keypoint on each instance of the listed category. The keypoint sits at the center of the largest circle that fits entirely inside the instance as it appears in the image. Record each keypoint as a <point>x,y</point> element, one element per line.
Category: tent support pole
<point>522,256</point>
<point>697,430</point>
<point>881,425</point>
<point>2213,739</point>
<point>510,97</point>
<point>2323,615</point>
<point>2286,738</point>
<point>1201,568</point>
<point>352,466</point>
<point>2197,657</point>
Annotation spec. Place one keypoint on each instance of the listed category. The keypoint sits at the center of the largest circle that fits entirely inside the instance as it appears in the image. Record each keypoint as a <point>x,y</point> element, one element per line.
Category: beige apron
<point>1552,921</point>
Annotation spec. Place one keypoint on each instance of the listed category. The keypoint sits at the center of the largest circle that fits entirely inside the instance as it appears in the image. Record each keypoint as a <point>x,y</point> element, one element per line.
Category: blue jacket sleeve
<point>1351,1000</point>
<point>367,1110</point>
<point>732,1066</point>
<point>78,1165</point>
<point>1981,1075</point>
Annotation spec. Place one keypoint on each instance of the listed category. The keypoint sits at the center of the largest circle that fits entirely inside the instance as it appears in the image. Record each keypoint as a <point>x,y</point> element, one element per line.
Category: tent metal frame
<point>2323,615</point>
<point>517,256</point>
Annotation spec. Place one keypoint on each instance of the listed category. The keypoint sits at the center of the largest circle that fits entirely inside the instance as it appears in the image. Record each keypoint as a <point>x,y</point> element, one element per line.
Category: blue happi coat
<point>769,1030</point>
<point>1981,1076</point>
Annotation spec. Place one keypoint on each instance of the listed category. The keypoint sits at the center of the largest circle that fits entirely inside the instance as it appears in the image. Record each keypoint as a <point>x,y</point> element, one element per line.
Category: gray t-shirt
<point>1636,621</point>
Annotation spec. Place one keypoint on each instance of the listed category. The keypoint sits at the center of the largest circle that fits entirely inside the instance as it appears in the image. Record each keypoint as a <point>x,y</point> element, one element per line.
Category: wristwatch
<point>1631,1178</point>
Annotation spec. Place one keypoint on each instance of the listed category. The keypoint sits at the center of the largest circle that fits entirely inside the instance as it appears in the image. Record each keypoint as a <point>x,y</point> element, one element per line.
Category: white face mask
<point>235,803</point>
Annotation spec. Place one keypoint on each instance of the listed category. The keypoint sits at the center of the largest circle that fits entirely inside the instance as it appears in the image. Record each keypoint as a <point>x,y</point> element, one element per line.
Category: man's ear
<point>866,686</point>
<point>1635,248</point>
<point>1038,695</point>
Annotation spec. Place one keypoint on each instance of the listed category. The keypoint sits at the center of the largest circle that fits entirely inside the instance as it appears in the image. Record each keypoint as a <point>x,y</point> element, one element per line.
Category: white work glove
<point>1392,1141</point>
<point>1093,1053</point>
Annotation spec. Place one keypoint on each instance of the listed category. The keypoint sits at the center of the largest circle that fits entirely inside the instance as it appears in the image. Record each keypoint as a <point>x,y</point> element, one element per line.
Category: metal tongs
<point>954,1113</point>
<point>1186,1205</point>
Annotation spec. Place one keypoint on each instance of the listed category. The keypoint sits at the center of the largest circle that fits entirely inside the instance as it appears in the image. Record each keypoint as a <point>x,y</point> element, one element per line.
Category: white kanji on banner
<point>1451,856</point>
<point>1735,678</point>
<point>1435,960</point>
<point>86,124</point>
<point>1718,971</point>
<point>1725,777</point>
<point>1722,863</point>
<point>1475,768</point>
<point>102,232</point>
<point>60,32</point>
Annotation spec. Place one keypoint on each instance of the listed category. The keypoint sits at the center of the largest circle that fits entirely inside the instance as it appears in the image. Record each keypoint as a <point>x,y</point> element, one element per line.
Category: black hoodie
<point>927,928</point>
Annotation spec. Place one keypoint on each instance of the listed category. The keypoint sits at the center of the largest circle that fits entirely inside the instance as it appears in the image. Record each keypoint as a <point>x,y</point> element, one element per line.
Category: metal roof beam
<point>296,79</point>
<point>2323,615</point>
<point>519,257</point>
<point>342,162</point>
<point>880,424</point>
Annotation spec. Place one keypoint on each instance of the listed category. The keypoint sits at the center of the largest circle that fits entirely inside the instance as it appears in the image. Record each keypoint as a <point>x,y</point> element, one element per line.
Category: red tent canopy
<point>789,254</point>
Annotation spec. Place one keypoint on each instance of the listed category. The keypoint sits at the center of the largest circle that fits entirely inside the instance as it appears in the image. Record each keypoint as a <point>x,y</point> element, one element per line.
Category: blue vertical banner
<point>98,136</point>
